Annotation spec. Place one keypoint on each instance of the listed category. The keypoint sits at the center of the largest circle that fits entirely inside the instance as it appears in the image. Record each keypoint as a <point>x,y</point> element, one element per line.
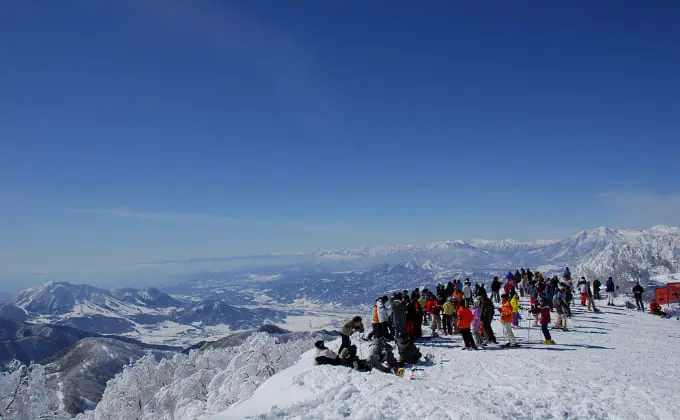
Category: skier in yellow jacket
<point>514,302</point>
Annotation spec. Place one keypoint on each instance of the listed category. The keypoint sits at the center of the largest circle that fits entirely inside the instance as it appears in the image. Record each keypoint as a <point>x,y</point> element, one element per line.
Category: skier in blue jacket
<point>609,286</point>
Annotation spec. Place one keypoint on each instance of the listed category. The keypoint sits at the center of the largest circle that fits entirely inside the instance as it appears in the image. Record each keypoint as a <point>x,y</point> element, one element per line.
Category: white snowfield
<point>617,364</point>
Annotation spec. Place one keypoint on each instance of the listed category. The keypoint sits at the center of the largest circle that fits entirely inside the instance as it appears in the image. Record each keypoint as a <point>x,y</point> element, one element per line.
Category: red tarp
<point>673,292</point>
<point>661,295</point>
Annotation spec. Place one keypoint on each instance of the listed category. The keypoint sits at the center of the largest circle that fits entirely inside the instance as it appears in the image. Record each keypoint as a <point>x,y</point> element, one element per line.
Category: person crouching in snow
<point>655,308</point>
<point>408,351</point>
<point>382,356</point>
<point>476,323</point>
<point>506,320</point>
<point>349,328</point>
<point>325,356</point>
<point>515,310</point>
<point>465,318</point>
<point>543,308</point>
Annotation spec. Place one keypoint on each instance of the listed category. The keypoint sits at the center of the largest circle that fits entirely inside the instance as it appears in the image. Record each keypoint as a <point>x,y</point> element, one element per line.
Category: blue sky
<point>143,131</point>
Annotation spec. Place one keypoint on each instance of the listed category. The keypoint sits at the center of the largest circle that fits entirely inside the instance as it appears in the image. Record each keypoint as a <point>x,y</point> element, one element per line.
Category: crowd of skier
<point>458,307</point>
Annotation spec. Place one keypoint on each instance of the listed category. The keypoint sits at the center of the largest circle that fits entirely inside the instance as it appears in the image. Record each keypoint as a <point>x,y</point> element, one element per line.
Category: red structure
<point>661,295</point>
<point>673,292</point>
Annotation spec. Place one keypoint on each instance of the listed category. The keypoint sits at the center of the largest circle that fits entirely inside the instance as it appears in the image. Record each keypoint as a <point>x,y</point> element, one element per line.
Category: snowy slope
<point>595,372</point>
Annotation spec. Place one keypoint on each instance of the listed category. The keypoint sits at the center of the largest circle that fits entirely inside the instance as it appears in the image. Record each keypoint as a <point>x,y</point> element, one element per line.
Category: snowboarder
<point>464,323</point>
<point>566,273</point>
<point>349,328</point>
<point>637,292</point>
<point>495,289</point>
<point>609,287</point>
<point>506,320</point>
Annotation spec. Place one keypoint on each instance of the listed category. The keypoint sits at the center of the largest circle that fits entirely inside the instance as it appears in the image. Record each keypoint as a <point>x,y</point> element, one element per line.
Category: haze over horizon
<point>141,132</point>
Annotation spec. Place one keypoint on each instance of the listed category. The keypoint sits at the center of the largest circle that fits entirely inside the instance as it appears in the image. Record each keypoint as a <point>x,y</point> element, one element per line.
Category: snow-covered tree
<point>189,385</point>
<point>25,394</point>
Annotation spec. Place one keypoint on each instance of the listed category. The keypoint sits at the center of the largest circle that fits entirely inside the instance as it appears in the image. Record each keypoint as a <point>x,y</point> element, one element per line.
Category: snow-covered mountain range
<point>130,312</point>
<point>355,277</point>
<point>597,252</point>
<point>343,279</point>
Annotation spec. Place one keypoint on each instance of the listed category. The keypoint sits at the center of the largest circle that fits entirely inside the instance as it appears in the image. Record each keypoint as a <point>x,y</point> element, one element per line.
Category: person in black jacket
<point>486,316</point>
<point>596,289</point>
<point>495,289</point>
<point>637,292</point>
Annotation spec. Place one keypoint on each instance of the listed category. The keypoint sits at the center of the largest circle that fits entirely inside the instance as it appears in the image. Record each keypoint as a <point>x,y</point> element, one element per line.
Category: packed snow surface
<point>617,364</point>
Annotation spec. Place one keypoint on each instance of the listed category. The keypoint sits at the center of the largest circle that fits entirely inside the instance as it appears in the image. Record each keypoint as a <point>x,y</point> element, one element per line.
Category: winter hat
<point>319,345</point>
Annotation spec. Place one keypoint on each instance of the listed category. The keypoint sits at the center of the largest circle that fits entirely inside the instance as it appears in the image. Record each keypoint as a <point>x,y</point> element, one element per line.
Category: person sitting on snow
<point>382,357</point>
<point>408,351</point>
<point>324,355</point>
<point>655,308</point>
<point>349,358</point>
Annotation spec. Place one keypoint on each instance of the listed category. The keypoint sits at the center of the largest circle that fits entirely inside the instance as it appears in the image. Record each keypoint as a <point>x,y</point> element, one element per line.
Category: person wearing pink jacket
<point>476,322</point>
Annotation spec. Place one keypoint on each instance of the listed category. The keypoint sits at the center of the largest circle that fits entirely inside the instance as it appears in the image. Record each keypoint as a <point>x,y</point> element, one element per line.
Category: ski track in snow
<point>617,364</point>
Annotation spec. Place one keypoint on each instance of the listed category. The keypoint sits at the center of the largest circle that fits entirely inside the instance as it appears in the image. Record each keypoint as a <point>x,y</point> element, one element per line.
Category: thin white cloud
<point>125,213</point>
<point>641,209</point>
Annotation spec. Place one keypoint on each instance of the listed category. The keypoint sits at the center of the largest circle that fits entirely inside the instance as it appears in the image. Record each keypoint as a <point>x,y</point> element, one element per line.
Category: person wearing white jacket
<point>380,319</point>
<point>467,293</point>
<point>324,355</point>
